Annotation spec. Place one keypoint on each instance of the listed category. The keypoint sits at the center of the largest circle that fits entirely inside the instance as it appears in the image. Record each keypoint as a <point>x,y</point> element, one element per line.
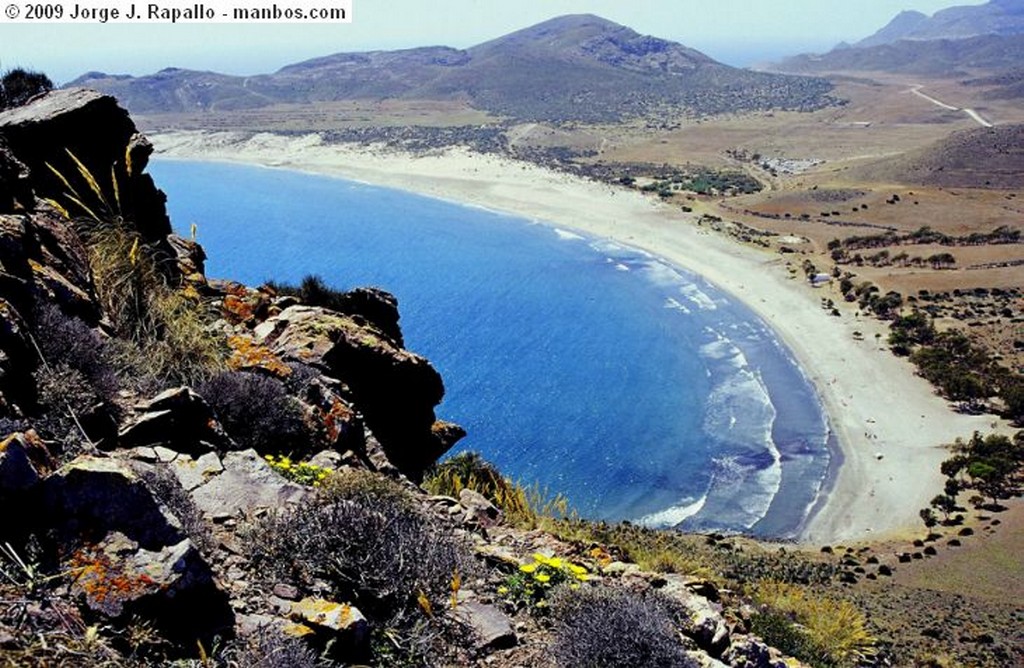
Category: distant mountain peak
<point>996,17</point>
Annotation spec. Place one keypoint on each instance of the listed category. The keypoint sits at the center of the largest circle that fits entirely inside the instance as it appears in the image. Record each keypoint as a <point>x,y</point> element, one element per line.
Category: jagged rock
<point>244,485</point>
<point>378,307</point>
<point>491,628</point>
<point>15,191</point>
<point>479,510</point>
<point>100,134</point>
<point>192,473</point>
<point>116,572</point>
<point>179,419</point>
<point>41,257</point>
<point>171,587</point>
<point>190,257</point>
<point>344,626</point>
<point>17,473</point>
<point>395,390</point>
<point>333,418</point>
<point>705,623</point>
<point>91,496</point>
<point>751,653</point>
<point>702,660</point>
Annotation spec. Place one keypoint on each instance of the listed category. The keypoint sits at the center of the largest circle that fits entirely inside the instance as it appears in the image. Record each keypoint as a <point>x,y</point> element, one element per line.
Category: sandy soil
<point>889,422</point>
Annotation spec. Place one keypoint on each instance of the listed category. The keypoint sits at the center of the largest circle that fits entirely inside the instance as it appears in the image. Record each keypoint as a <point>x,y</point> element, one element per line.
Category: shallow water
<point>635,388</point>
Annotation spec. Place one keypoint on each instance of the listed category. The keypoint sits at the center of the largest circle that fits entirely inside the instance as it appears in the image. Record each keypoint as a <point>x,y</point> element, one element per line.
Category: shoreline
<point>885,409</point>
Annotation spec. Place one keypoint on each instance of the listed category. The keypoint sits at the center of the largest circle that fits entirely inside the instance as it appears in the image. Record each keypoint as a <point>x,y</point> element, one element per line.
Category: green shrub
<point>531,584</point>
<point>524,507</point>
<point>612,628</point>
<point>18,86</point>
<point>313,291</point>
<point>257,412</point>
<point>834,631</point>
<point>366,487</point>
<point>779,631</point>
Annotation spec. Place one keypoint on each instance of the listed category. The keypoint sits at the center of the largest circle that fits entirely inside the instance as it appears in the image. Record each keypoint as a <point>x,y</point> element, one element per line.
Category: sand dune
<point>889,423</point>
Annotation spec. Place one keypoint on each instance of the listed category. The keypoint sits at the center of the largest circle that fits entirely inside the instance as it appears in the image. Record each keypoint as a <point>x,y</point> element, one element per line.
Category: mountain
<point>905,23</point>
<point>997,17</point>
<point>578,67</point>
<point>993,54</point>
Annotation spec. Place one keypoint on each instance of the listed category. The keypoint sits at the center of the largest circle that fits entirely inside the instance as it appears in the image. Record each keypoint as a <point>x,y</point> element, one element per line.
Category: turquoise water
<point>637,389</point>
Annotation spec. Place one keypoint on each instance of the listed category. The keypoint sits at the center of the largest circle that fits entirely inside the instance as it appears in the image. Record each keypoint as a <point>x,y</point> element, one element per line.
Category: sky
<point>738,32</point>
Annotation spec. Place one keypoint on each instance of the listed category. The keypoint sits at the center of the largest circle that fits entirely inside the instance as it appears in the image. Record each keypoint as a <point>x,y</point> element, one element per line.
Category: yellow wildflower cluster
<point>531,584</point>
<point>303,473</point>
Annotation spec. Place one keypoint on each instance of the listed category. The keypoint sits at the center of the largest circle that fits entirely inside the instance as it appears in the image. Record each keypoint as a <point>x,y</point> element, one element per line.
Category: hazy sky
<point>738,32</point>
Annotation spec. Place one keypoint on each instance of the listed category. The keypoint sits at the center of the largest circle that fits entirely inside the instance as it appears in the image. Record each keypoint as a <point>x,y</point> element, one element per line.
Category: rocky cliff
<point>208,471</point>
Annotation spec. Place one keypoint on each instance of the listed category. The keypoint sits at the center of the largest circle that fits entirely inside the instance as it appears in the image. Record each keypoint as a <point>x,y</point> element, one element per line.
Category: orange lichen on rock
<point>247,355</point>
<point>105,584</point>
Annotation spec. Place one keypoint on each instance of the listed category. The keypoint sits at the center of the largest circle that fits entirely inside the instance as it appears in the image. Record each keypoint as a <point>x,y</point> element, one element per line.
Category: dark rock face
<point>101,135</point>
<point>179,419</point>
<point>93,496</point>
<point>15,192</point>
<point>395,390</point>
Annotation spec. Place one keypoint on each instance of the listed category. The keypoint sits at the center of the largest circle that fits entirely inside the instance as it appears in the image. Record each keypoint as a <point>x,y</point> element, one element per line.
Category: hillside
<point>979,158</point>
<point>578,67</point>
<point>997,17</point>
<point>940,57</point>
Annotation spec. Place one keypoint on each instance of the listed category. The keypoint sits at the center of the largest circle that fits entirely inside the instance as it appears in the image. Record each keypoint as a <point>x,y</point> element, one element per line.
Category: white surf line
<point>916,90</point>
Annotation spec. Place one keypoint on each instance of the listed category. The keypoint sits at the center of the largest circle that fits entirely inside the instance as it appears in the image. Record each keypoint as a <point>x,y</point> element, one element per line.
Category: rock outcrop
<point>395,390</point>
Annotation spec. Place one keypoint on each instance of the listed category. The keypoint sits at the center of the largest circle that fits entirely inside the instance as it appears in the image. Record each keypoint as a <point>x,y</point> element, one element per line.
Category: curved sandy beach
<point>889,423</point>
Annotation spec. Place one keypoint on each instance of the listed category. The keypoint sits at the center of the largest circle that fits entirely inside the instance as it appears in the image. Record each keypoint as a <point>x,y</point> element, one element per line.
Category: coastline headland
<point>888,423</point>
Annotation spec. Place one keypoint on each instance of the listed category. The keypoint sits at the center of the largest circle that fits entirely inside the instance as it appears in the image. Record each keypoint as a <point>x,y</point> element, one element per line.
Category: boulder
<point>178,419</point>
<point>377,307</point>
<point>749,652</point>
<point>101,135</point>
<point>490,627</point>
<point>17,473</point>
<point>479,510</point>
<point>395,390</point>
<point>91,497</point>
<point>704,623</point>
<point>172,586</point>
<point>338,627</point>
<point>244,485</point>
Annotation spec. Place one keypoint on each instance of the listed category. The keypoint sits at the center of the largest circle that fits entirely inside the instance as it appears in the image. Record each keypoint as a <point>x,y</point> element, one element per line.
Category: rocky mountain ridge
<point>962,41</point>
<point>996,17</point>
<point>571,68</point>
<point>263,511</point>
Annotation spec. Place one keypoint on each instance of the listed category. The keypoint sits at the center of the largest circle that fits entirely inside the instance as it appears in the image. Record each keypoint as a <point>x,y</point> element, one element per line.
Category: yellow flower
<point>269,458</point>
<point>582,577</point>
<point>528,568</point>
<point>542,577</point>
<point>554,562</point>
<point>577,570</point>
<point>502,590</point>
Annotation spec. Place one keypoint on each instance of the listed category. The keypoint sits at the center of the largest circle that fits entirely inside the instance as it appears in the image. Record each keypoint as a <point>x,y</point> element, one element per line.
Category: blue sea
<point>635,388</point>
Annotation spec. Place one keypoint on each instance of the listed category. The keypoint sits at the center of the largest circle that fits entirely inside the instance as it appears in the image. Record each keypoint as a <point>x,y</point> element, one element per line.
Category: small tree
<point>18,86</point>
